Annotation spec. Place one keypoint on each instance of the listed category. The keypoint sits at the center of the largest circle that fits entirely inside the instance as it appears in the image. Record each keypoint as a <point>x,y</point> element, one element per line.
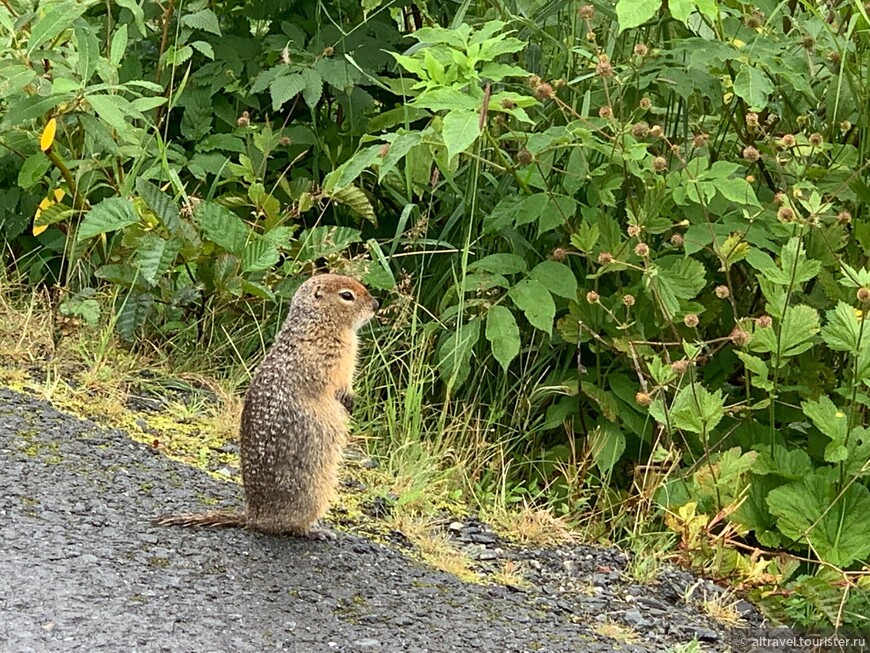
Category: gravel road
<point>82,569</point>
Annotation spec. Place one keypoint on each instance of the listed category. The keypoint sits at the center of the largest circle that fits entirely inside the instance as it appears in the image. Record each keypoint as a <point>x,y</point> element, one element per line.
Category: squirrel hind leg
<point>220,519</point>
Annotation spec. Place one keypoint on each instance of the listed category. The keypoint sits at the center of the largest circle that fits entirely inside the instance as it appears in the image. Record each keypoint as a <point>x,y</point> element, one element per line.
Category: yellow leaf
<point>59,194</point>
<point>39,228</point>
<point>47,137</point>
<point>44,204</point>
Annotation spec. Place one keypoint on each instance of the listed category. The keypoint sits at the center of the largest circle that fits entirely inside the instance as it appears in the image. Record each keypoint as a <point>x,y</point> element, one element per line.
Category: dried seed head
<point>559,254</point>
<point>592,297</point>
<point>633,230</point>
<point>700,140</point>
<point>779,198</point>
<point>645,103</point>
<point>244,120</point>
<point>586,12</point>
<point>605,112</point>
<point>590,36</point>
<point>808,42</point>
<point>643,399</point>
<point>816,139</point>
<point>628,300</point>
<point>691,320</point>
<point>785,214</point>
<point>845,125</point>
<point>750,179</point>
<point>739,337</point>
<point>508,104</point>
<point>656,131</point>
<point>788,140</point>
<point>751,119</point>
<point>722,292</point>
<point>641,50</point>
<point>284,141</point>
<point>605,258</point>
<point>660,164</point>
<point>604,68</point>
<point>681,366</point>
<point>642,250</point>
<point>640,130</point>
<point>328,51</point>
<point>844,217</point>
<point>834,57</point>
<point>863,295</point>
<point>524,157</point>
<point>677,240</point>
<point>751,154</point>
<point>544,91</point>
<point>764,322</point>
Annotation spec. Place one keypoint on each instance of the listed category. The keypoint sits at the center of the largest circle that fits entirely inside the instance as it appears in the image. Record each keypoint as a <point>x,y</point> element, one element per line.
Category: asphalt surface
<point>82,569</point>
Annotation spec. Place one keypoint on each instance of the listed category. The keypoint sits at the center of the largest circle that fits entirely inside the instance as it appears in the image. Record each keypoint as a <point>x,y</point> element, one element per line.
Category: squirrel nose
<point>375,304</point>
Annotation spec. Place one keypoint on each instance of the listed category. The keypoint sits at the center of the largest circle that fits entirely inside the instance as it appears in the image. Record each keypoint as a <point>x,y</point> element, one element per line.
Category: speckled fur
<point>295,415</point>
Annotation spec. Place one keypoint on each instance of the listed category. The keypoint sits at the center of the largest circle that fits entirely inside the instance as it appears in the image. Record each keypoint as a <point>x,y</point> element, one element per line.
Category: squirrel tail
<point>216,519</point>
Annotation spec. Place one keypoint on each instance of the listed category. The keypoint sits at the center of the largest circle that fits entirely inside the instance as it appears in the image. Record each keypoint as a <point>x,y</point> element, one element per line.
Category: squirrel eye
<point>346,295</point>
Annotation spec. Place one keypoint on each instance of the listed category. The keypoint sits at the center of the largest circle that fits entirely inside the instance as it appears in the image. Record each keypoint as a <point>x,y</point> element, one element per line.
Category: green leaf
<point>399,148</point>
<point>558,211</point>
<point>31,107</point>
<point>260,255</point>
<point>88,50</point>
<point>137,12</point>
<point>791,464</point>
<point>503,335</point>
<point>204,47</point>
<point>461,128</point>
<point>586,237</point>
<point>61,16</point>
<point>675,278</point>
<point>133,314</point>
<point>536,303</point>
<point>836,529</point>
<point>222,227</point>
<point>204,19</point>
<point>753,86</point>
<point>33,170</point>
<point>284,88</point>
<point>454,354</point>
<point>111,214</point>
<point>833,423</point>
<point>355,199</point>
<point>119,45</point>
<point>499,264</point>
<point>607,443</point>
<point>557,277</point>
<point>155,256</point>
<point>631,13</point>
<point>160,203</point>
<point>313,87</point>
<point>799,326</point>
<point>111,108</point>
<point>696,409</point>
<point>843,330</point>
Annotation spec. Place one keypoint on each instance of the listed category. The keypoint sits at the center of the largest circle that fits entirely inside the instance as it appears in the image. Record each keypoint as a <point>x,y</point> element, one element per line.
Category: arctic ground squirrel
<point>295,416</point>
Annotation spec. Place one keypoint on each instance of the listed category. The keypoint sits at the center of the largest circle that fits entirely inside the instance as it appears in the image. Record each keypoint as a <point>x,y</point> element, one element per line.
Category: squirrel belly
<point>295,415</point>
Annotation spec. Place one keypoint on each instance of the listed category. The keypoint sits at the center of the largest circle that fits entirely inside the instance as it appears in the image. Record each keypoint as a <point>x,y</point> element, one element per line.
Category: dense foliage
<point>629,238</point>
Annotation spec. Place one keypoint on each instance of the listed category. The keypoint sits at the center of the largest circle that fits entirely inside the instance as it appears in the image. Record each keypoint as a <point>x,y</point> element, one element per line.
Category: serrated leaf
<point>355,199</point>
<point>503,335</point>
<point>836,528</point>
<point>799,326</point>
<point>793,464</point>
<point>204,19</point>
<point>753,86</point>
<point>58,18</point>
<point>222,227</point>
<point>833,423</point>
<point>33,170</point>
<point>155,255</point>
<point>454,354</point>
<point>32,107</point>
<point>133,314</point>
<point>696,409</point>
<point>111,214</point>
<point>260,255</point>
<point>843,330</point>
<point>313,87</point>
<point>536,303</point>
<point>160,203</point>
<point>557,277</point>
<point>675,279</point>
<point>499,264</point>
<point>631,13</point>
<point>111,108</point>
<point>460,129</point>
<point>284,88</point>
<point>204,47</point>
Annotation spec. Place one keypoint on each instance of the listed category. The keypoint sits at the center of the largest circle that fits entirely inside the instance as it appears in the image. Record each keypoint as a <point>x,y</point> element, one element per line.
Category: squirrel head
<point>344,299</point>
